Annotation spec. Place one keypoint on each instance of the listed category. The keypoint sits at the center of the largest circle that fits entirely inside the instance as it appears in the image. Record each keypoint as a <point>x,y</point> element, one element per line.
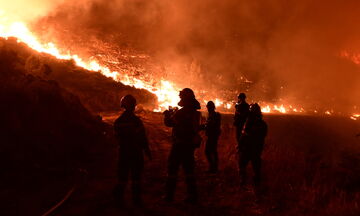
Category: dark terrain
<point>53,139</point>
<point>311,167</point>
<point>49,130</point>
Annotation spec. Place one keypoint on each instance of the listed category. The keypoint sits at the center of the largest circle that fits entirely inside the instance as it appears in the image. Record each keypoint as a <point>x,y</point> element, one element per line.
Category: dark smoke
<point>289,50</point>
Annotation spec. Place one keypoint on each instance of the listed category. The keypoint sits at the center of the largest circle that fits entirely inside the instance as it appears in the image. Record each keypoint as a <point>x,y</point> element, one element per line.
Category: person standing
<point>251,144</point>
<point>241,114</point>
<point>212,131</point>
<point>133,143</point>
<point>186,124</point>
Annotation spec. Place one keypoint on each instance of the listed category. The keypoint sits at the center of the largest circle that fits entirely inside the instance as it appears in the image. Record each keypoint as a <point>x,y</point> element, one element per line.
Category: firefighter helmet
<point>128,102</point>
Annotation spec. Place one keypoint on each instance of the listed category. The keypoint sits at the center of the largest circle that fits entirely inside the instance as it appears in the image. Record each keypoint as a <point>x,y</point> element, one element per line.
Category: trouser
<point>211,153</point>
<point>129,166</point>
<point>181,157</point>
<point>255,159</point>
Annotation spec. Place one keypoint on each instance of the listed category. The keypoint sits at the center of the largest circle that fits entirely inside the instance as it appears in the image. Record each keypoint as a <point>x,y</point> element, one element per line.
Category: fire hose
<point>82,173</point>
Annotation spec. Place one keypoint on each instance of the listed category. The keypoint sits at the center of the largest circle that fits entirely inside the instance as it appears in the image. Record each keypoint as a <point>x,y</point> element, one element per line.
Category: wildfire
<point>355,116</point>
<point>266,108</point>
<point>166,91</point>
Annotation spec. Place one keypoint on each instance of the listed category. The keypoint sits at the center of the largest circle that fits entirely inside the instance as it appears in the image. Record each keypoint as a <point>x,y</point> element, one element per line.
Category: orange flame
<point>355,116</point>
<point>166,91</point>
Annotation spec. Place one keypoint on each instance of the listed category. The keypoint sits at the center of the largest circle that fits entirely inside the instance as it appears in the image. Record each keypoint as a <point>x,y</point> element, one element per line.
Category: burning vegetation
<point>63,64</point>
<point>96,92</point>
<point>215,55</point>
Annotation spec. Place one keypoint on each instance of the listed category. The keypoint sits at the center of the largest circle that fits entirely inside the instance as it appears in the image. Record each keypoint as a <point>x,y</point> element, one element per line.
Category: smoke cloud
<point>275,49</point>
<point>25,11</point>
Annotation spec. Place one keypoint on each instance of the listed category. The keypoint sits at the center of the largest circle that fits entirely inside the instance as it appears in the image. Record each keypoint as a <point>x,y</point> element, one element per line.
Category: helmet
<point>255,109</point>
<point>187,93</point>
<point>128,102</point>
<point>242,96</point>
<point>210,105</point>
<point>187,99</point>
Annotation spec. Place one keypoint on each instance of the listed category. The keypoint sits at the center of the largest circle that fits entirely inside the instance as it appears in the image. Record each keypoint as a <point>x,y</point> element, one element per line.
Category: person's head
<point>242,96</point>
<point>187,99</point>
<point>186,94</point>
<point>255,110</point>
<point>210,106</point>
<point>128,102</point>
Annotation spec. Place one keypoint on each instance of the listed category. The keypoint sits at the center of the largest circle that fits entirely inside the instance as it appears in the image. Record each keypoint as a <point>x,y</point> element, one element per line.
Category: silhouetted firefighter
<point>185,123</point>
<point>212,131</point>
<point>251,144</point>
<point>241,114</point>
<point>130,133</point>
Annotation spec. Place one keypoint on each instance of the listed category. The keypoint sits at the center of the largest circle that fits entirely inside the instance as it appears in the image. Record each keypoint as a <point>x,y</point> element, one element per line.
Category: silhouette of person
<point>241,114</point>
<point>131,136</point>
<point>186,124</point>
<point>212,131</point>
<point>252,143</point>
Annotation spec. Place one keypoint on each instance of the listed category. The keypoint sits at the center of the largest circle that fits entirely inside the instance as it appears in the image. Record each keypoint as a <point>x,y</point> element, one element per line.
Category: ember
<point>103,97</point>
<point>166,90</point>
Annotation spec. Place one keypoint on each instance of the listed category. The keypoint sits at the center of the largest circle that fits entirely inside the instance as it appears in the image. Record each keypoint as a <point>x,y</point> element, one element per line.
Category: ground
<point>311,167</point>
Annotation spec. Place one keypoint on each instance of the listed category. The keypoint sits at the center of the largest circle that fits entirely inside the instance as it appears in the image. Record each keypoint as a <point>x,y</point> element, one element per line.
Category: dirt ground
<point>311,167</point>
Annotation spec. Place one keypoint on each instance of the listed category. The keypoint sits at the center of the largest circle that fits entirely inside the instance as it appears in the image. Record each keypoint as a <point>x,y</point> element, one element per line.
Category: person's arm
<point>144,141</point>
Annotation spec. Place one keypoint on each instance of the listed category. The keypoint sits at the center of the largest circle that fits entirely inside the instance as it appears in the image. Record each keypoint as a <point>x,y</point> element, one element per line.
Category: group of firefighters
<point>251,130</point>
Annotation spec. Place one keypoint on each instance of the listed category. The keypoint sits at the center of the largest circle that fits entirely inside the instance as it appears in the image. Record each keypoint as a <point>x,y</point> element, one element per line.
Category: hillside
<point>95,91</point>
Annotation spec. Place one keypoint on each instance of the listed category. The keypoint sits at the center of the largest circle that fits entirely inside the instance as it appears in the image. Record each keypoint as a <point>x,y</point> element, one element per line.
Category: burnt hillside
<point>95,91</point>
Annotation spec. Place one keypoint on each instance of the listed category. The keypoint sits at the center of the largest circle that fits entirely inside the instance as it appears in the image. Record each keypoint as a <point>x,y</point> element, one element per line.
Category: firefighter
<point>212,131</point>
<point>131,136</point>
<point>241,114</point>
<point>252,143</point>
<point>186,124</point>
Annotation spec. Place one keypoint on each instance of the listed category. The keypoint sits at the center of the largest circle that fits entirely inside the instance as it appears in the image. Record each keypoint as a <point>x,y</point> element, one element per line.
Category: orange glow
<point>166,91</point>
<point>266,109</point>
<point>327,112</point>
<point>355,116</point>
<point>354,57</point>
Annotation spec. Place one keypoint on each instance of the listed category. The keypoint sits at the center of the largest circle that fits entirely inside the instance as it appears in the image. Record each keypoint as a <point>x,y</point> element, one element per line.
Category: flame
<point>327,112</point>
<point>228,105</point>
<point>166,91</point>
<point>355,116</point>
<point>266,109</point>
<point>218,102</point>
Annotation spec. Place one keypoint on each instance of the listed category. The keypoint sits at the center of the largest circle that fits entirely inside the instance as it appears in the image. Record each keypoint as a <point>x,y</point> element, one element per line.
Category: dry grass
<point>311,166</point>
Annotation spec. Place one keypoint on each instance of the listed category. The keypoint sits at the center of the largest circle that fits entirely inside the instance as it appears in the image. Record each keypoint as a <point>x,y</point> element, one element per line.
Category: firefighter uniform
<point>212,131</point>
<point>131,136</point>
<point>185,123</point>
<point>251,144</point>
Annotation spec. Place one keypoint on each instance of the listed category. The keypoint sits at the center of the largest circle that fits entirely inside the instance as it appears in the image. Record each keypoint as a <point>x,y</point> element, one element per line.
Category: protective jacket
<point>131,136</point>
<point>241,114</point>
<point>253,136</point>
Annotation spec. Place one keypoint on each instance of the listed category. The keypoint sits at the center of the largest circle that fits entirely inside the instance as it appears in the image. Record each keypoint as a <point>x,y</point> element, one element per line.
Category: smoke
<point>25,11</point>
<point>271,49</point>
